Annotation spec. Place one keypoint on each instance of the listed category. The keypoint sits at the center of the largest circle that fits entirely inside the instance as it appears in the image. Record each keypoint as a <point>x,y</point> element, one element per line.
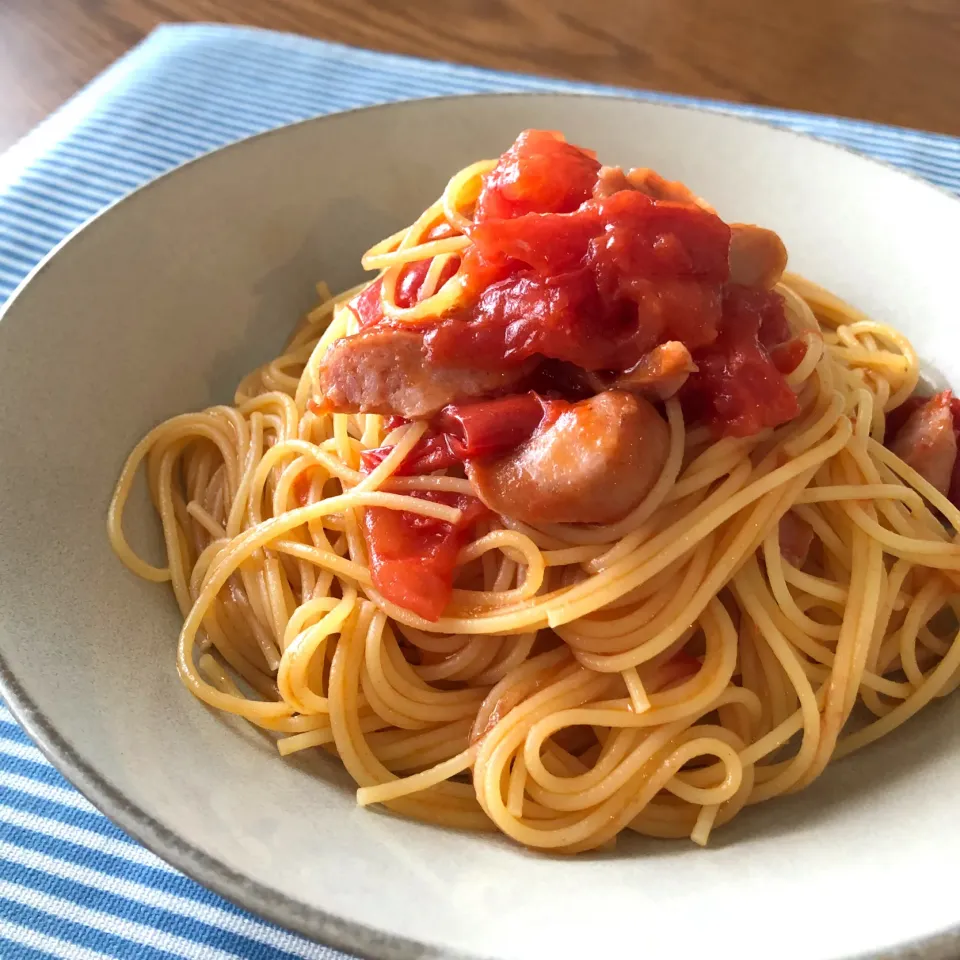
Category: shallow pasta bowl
<point>162,304</point>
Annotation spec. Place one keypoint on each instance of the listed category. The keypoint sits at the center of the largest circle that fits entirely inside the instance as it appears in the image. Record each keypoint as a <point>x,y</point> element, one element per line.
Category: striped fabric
<point>72,885</point>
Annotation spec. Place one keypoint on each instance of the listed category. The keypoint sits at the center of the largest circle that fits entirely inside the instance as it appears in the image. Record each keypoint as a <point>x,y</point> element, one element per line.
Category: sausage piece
<point>659,373</point>
<point>385,370</point>
<point>796,539</point>
<point>927,442</point>
<point>757,256</point>
<point>592,464</point>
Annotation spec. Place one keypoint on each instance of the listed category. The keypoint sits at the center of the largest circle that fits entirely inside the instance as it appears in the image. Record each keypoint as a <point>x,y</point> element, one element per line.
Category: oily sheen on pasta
<point>784,591</point>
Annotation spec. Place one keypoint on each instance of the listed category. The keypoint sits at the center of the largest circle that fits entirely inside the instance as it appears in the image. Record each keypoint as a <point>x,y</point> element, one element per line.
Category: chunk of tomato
<point>412,557</point>
<point>540,173</point>
<point>738,388</point>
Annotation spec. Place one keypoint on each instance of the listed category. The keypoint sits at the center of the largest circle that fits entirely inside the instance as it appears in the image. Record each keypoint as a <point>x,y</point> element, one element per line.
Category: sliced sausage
<point>610,180</point>
<point>653,185</point>
<point>659,373</point>
<point>385,370</point>
<point>927,442</point>
<point>593,463</point>
<point>757,256</point>
<point>796,539</point>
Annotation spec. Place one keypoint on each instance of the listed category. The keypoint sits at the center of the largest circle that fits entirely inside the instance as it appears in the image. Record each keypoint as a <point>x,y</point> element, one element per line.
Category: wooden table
<point>895,61</point>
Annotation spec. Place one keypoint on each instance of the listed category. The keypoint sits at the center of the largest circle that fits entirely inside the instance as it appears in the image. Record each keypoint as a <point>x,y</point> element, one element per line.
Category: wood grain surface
<point>894,61</point>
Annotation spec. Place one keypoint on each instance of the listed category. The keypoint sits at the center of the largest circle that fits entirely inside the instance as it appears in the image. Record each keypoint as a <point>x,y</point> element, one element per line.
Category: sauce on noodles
<point>582,516</point>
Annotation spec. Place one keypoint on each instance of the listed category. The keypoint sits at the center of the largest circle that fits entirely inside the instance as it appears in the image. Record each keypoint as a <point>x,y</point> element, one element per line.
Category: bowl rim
<point>316,923</point>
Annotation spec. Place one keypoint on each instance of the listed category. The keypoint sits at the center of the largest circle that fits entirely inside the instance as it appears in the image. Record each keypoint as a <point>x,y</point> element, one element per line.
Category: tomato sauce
<point>554,272</point>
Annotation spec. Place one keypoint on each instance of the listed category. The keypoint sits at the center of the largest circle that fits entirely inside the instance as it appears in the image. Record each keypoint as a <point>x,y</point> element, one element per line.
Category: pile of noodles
<point>656,674</point>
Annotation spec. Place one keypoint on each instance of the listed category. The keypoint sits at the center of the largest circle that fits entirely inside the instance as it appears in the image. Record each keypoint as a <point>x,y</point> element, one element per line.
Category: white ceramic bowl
<point>161,304</point>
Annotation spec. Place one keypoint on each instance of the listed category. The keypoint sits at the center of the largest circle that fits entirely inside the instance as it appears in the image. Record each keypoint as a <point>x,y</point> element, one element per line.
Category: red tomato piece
<point>738,388</point>
<point>491,427</point>
<point>560,317</point>
<point>413,558</point>
<point>540,173</point>
<point>366,305</point>
<point>594,283</point>
<point>789,355</point>
<point>466,430</point>
<point>300,488</point>
<point>549,243</point>
<point>644,238</point>
<point>412,276</point>
<point>684,310</point>
<point>428,454</point>
<point>409,283</point>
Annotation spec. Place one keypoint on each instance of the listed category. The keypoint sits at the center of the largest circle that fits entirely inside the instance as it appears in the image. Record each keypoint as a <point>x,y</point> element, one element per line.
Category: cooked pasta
<point>656,672</point>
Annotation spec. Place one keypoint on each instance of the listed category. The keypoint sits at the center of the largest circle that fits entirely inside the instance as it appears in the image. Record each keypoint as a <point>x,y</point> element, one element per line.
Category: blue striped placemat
<point>71,884</point>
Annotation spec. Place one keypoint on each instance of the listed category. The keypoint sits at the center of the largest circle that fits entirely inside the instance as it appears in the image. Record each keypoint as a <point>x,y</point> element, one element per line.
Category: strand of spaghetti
<point>172,533</point>
<point>926,489</point>
<point>387,243</point>
<point>245,545</point>
<point>937,679</point>
<point>341,566</point>
<point>444,484</point>
<point>746,585</point>
<point>867,491</point>
<point>462,189</point>
<point>400,688</point>
<point>699,696</point>
<point>825,417</point>
<point>698,476</point>
<point>385,469</point>
<point>925,604</point>
<point>931,553</point>
<point>191,424</point>
<point>852,650</point>
<point>813,341</point>
<point>728,758</point>
<point>638,696</point>
<point>669,545</point>
<point>815,586</point>
<point>205,520</point>
<point>423,251</point>
<point>293,680</point>
<point>726,559</point>
<point>417,782</point>
<point>440,303</point>
<point>773,562</point>
<point>341,319</point>
<point>887,362</point>
<point>322,735</point>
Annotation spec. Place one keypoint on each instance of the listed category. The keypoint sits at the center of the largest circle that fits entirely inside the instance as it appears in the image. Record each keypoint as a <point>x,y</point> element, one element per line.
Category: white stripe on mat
<point>58,830</point>
<point>44,942</point>
<point>96,920</point>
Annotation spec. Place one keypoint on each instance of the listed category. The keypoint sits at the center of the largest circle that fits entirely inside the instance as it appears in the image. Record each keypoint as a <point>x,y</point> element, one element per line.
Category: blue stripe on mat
<point>71,884</point>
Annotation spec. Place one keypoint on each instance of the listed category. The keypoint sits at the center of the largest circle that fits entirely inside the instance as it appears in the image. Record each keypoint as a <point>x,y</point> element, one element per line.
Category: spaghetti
<point>657,673</point>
